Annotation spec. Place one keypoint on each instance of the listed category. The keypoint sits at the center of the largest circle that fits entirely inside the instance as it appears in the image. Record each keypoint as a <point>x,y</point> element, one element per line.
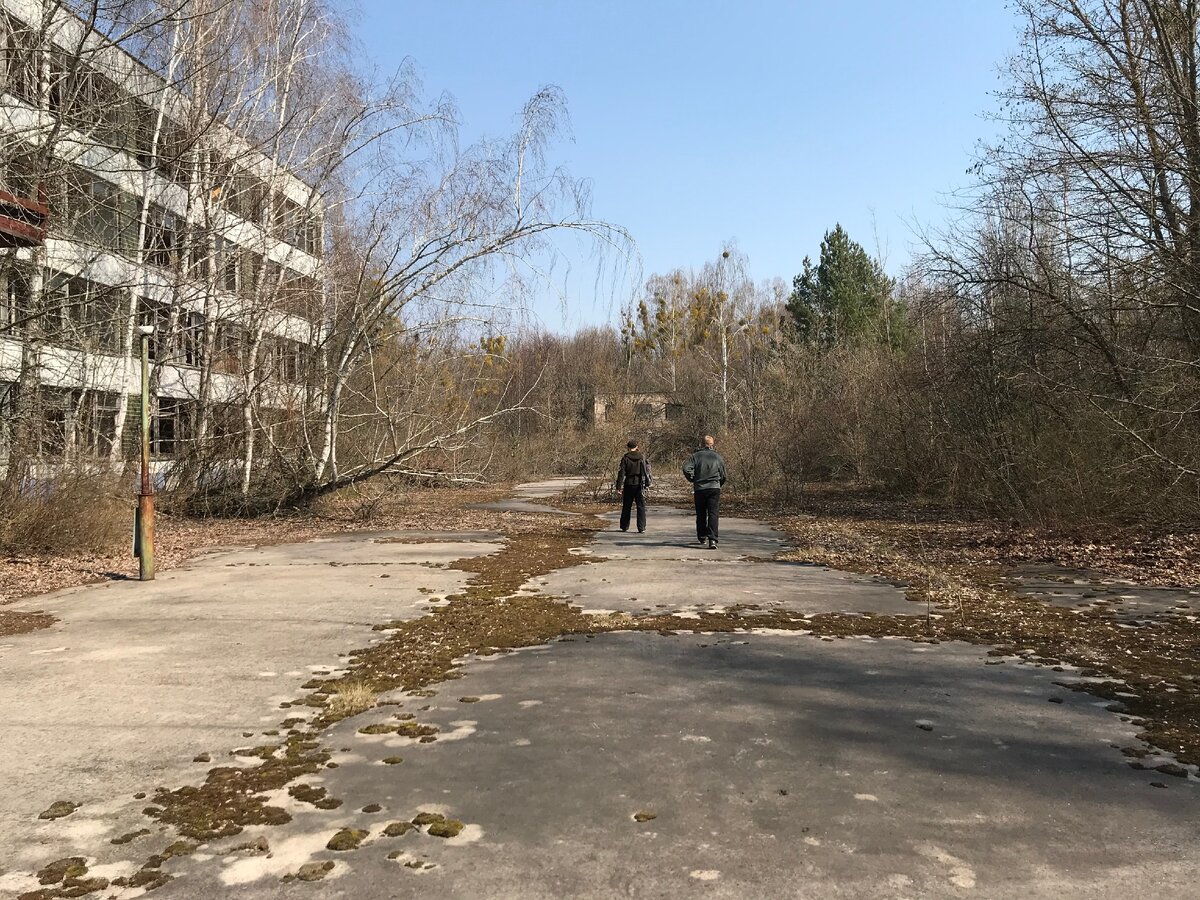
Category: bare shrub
<point>69,514</point>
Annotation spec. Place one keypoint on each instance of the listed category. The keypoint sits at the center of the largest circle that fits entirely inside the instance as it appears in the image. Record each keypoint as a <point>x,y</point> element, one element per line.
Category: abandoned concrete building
<point>116,210</point>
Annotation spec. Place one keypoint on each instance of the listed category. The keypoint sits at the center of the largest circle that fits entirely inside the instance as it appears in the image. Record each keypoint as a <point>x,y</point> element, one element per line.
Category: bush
<point>70,514</point>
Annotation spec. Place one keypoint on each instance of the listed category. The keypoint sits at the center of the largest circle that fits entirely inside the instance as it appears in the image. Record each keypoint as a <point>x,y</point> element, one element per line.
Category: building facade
<point>126,201</point>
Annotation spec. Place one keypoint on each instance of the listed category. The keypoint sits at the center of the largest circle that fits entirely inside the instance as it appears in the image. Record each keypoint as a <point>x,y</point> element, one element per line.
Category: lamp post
<point>144,541</point>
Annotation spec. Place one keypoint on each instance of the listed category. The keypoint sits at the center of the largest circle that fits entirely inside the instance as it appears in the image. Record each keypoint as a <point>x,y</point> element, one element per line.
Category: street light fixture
<point>144,525</point>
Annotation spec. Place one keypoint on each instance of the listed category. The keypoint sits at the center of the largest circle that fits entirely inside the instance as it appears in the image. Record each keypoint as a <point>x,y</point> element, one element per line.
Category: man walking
<point>706,471</point>
<point>633,477</point>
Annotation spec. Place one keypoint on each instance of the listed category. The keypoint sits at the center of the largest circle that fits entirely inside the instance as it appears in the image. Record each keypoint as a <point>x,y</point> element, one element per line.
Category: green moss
<point>378,728</point>
<point>265,751</point>
<point>53,873</point>
<point>393,760</point>
<point>180,848</point>
<point>314,871</point>
<point>130,836</point>
<point>644,816</point>
<point>398,829</point>
<point>144,878</point>
<point>447,828</point>
<point>81,887</point>
<point>347,839</point>
<point>58,809</point>
<point>427,818</point>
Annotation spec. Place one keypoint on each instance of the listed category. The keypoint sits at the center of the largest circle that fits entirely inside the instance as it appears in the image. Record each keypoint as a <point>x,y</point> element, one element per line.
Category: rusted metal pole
<point>145,518</point>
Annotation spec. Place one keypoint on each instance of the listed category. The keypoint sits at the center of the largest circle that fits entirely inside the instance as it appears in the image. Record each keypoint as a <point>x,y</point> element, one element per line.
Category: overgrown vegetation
<point>73,513</point>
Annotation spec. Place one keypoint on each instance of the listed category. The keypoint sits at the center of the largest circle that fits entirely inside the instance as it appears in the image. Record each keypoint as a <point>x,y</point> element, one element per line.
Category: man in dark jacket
<point>633,477</point>
<point>706,471</point>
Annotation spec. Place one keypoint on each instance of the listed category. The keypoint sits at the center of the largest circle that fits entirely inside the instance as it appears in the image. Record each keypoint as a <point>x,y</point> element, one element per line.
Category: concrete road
<point>627,765</point>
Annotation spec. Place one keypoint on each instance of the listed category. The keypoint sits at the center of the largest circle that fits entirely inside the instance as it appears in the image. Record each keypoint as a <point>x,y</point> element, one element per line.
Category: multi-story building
<point>124,202</point>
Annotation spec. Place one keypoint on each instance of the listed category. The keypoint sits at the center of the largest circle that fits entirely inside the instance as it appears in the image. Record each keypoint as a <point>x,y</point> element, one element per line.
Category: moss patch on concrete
<point>347,839</point>
<point>446,828</point>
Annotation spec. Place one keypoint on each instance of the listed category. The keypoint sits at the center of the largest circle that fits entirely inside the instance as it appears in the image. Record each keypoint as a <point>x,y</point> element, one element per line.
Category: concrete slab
<point>644,586</point>
<point>774,766</point>
<point>526,495</point>
<point>549,487</point>
<point>1081,589</point>
<point>671,534</point>
<point>382,550</point>
<point>137,679</point>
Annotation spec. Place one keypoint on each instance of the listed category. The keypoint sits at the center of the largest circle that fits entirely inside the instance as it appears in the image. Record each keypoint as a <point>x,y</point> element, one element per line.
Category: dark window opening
<point>170,426</point>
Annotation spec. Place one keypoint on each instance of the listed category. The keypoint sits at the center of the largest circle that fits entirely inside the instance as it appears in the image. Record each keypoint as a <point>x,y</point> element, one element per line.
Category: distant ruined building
<point>645,409</point>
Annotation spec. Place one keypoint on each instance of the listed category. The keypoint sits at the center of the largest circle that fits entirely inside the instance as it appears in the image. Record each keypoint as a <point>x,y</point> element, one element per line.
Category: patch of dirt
<point>12,622</point>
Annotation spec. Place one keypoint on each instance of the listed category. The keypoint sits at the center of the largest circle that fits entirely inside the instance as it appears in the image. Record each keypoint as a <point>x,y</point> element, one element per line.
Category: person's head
<point>632,445</point>
<point>709,442</point>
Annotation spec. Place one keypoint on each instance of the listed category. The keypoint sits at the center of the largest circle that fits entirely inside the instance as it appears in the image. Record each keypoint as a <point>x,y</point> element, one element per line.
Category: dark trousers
<point>630,496</point>
<point>708,513</point>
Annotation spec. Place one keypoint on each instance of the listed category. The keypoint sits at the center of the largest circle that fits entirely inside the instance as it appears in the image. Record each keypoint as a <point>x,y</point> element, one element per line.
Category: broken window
<point>170,426</point>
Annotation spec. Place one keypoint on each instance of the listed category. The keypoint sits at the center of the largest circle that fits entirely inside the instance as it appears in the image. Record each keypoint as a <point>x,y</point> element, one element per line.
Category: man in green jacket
<point>706,471</point>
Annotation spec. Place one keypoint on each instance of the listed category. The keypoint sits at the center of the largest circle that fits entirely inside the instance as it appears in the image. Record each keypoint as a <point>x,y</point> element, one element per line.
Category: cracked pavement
<point>760,763</point>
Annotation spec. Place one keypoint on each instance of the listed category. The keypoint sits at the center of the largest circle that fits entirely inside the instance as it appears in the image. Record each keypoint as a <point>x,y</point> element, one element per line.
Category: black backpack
<point>635,471</point>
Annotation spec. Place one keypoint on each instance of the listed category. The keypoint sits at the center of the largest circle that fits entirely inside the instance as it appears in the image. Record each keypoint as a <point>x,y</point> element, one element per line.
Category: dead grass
<point>74,513</point>
<point>351,698</point>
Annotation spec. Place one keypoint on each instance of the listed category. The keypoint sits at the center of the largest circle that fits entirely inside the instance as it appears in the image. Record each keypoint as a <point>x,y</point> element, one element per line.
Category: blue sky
<point>763,122</point>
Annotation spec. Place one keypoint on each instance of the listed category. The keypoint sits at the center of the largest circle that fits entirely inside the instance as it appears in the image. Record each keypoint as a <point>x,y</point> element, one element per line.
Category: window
<point>289,221</point>
<point>299,294</point>
<point>199,254</point>
<point>8,415</point>
<point>170,426</point>
<point>95,425</point>
<point>115,115</point>
<point>179,342</point>
<point>152,312</point>
<point>228,348</point>
<point>113,216</point>
<point>225,263</point>
<point>19,171</point>
<point>173,159</point>
<point>163,237</point>
<point>248,197</point>
<point>88,315</point>
<point>18,60</point>
<point>193,340</point>
<point>226,421</point>
<point>14,298</point>
<point>52,424</point>
<point>95,210</point>
<point>291,361</point>
<point>77,94</point>
<point>250,269</point>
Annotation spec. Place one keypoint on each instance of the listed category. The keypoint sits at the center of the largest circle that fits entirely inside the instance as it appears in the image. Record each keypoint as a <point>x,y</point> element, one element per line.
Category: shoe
<point>712,545</point>
<point>701,540</point>
<point>641,531</point>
